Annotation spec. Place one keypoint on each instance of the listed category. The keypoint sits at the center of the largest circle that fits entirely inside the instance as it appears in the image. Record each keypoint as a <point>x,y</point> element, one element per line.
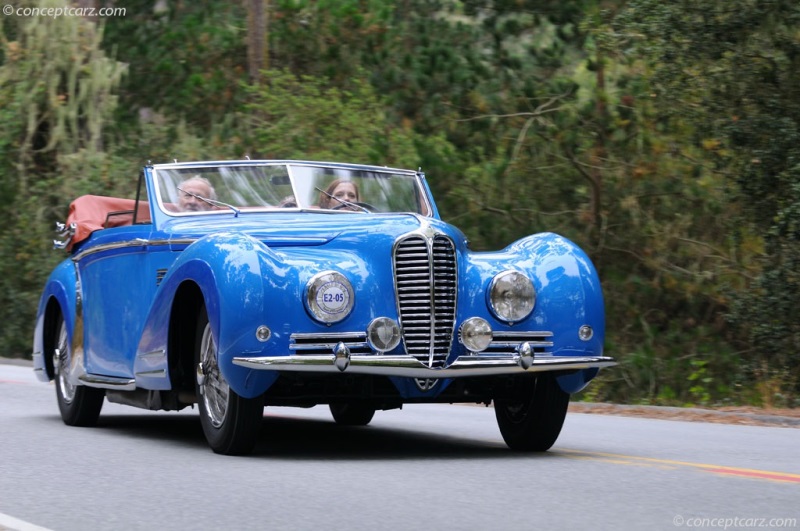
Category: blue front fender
<point>568,295</point>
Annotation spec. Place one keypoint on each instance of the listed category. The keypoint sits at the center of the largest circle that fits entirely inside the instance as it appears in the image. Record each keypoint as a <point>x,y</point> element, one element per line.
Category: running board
<point>107,382</point>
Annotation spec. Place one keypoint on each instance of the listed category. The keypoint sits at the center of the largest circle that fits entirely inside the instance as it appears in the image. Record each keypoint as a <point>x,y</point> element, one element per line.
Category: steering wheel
<point>365,206</point>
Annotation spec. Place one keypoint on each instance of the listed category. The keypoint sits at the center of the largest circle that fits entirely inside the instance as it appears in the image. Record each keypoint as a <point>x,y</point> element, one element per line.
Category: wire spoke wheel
<point>213,389</point>
<point>61,365</point>
<point>230,422</point>
<point>79,405</point>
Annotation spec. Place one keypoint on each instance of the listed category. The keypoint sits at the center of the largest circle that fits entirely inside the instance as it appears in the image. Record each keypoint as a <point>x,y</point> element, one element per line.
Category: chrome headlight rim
<point>517,310</point>
<point>329,297</point>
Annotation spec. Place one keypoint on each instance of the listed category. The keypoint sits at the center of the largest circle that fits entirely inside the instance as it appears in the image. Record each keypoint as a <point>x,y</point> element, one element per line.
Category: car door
<point>117,284</point>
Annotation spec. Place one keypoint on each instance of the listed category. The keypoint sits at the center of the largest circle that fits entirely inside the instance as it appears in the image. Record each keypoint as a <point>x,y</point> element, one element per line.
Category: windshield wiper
<point>342,201</point>
<point>212,202</point>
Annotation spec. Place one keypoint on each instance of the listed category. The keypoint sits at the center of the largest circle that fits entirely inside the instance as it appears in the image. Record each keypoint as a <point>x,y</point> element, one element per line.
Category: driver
<point>199,186</point>
<point>344,190</point>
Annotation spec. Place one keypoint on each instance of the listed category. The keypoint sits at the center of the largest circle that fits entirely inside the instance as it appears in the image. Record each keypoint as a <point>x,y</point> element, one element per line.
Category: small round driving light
<point>263,333</point>
<point>329,297</point>
<point>585,333</point>
<point>475,334</point>
<point>511,296</point>
<point>383,334</point>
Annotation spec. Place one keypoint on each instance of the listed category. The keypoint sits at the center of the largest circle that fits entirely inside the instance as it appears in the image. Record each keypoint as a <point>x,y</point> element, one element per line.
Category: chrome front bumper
<point>408,366</point>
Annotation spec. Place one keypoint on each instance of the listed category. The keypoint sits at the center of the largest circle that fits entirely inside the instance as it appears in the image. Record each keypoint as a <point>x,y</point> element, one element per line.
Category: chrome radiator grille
<point>426,283</point>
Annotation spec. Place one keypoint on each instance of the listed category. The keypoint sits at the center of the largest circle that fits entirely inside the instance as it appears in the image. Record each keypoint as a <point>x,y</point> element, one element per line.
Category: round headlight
<point>329,297</point>
<point>511,296</point>
<point>475,334</point>
<point>383,334</point>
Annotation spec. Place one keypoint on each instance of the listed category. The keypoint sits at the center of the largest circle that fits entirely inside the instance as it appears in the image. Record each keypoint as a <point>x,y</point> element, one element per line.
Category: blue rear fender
<point>60,289</point>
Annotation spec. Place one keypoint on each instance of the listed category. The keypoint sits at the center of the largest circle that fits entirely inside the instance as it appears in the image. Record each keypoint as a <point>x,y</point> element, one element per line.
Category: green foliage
<point>327,38</point>
<point>597,163</point>
<point>56,89</point>
<point>348,124</point>
<point>660,136</point>
<point>730,70</point>
<point>186,59</point>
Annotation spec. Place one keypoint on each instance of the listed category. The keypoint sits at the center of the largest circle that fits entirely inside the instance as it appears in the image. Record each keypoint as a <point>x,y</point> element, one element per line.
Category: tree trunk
<point>599,152</point>
<point>257,38</point>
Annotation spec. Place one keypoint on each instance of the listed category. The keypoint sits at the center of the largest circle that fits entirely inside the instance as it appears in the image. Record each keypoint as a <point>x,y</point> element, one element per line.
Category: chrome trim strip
<point>328,341</point>
<point>138,242</point>
<point>107,382</point>
<point>152,354</point>
<point>177,241</point>
<point>522,334</point>
<point>285,240</point>
<point>336,336</point>
<point>157,373</point>
<point>509,341</point>
<point>182,241</point>
<point>508,344</point>
<point>328,346</point>
<point>281,162</point>
<point>409,366</point>
<point>431,275</point>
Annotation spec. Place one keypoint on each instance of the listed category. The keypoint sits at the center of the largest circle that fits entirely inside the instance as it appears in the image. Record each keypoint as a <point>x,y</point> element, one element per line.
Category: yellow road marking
<point>716,469</point>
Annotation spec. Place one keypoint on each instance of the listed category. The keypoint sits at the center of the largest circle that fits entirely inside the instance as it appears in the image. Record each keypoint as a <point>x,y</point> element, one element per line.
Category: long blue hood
<point>285,230</point>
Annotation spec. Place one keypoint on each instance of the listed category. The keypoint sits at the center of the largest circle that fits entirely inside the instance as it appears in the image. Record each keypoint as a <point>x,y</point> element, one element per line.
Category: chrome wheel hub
<point>211,385</point>
<point>61,366</point>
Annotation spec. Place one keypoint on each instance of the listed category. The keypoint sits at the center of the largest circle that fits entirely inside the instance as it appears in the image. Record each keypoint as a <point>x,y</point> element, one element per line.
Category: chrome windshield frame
<point>425,206</point>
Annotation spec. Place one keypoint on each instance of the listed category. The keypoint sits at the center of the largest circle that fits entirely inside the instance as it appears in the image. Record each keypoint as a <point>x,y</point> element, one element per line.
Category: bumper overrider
<point>505,354</point>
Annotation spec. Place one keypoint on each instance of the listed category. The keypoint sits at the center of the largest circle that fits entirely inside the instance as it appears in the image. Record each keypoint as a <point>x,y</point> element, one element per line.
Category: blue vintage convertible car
<point>242,284</point>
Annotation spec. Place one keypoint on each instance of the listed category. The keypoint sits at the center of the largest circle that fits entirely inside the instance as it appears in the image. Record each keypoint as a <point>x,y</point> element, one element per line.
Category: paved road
<point>427,467</point>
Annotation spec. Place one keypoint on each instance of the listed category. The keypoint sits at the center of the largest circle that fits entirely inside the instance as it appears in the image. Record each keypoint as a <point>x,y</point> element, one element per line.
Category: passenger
<point>344,190</point>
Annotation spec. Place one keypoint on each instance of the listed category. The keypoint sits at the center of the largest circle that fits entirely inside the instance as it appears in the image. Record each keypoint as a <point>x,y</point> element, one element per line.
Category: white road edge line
<point>15,524</point>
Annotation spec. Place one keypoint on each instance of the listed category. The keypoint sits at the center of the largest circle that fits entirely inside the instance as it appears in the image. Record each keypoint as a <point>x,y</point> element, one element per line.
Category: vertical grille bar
<point>426,283</point>
<point>444,290</point>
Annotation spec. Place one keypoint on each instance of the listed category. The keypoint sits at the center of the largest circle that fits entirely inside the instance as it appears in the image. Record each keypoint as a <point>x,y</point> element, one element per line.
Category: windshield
<point>188,190</point>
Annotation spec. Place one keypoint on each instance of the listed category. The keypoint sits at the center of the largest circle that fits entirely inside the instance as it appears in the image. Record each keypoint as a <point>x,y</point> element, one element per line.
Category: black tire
<point>531,419</point>
<point>230,423</point>
<point>79,405</point>
<point>352,413</point>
